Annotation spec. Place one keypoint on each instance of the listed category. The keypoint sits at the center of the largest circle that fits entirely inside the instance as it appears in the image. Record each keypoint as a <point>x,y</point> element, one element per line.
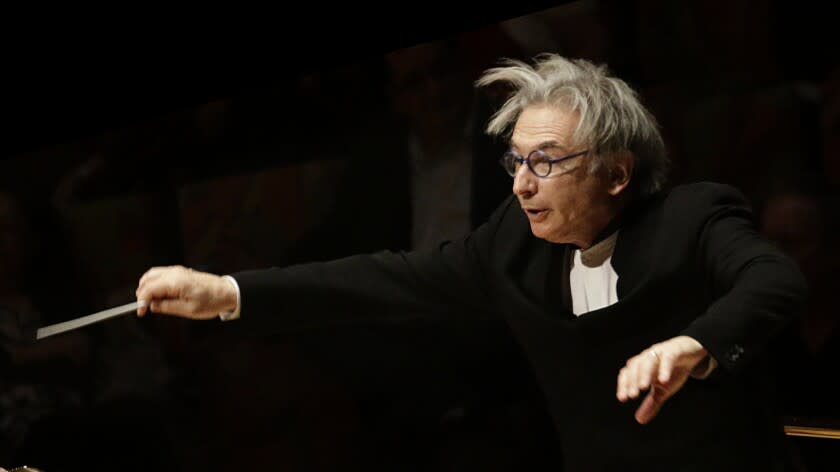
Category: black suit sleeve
<point>756,289</point>
<point>451,281</point>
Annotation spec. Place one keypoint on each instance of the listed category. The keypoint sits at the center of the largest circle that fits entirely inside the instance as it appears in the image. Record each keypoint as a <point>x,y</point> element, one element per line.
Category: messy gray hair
<point>612,118</point>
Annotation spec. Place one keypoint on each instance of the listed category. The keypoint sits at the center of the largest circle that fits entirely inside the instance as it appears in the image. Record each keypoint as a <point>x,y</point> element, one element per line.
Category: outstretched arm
<point>449,280</point>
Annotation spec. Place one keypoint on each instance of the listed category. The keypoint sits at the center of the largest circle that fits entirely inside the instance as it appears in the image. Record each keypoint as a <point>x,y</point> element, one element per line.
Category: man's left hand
<point>662,369</point>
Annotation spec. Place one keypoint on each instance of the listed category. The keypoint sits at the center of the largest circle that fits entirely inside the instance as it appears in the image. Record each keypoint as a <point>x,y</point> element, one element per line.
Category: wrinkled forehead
<point>544,124</point>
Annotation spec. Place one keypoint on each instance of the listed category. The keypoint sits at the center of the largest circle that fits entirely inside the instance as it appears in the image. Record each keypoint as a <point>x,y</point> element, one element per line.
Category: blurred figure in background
<point>801,217</point>
<point>43,379</point>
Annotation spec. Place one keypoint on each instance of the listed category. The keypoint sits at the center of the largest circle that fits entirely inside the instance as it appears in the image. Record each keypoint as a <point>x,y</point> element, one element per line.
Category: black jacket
<point>689,261</point>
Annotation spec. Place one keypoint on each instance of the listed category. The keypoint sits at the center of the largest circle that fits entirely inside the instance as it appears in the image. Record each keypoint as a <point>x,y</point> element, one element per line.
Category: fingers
<point>152,273</point>
<point>157,272</point>
<point>172,307</point>
<point>637,375</point>
<point>662,369</point>
<point>651,405</point>
<point>666,366</point>
<point>160,288</point>
<point>177,290</point>
<point>621,391</point>
<point>142,299</point>
<point>157,284</point>
<point>142,307</point>
<point>647,370</point>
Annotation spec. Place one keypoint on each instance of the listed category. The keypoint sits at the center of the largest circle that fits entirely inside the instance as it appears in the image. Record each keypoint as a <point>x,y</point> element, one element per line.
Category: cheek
<point>566,204</point>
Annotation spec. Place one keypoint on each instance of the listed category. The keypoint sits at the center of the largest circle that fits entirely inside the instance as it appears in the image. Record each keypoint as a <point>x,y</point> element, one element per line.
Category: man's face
<point>794,224</point>
<point>570,205</point>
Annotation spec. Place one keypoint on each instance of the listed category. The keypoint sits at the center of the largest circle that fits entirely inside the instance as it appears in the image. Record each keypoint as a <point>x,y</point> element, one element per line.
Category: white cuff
<point>232,315</point>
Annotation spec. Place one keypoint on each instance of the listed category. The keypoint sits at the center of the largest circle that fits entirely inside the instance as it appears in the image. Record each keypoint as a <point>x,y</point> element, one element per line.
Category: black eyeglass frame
<point>510,159</point>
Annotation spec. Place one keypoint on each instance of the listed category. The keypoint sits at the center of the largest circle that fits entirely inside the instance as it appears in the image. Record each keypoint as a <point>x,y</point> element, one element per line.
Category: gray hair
<point>612,119</point>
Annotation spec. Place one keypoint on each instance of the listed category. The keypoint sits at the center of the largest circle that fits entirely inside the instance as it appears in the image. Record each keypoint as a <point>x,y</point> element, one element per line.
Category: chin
<point>543,232</point>
<point>554,237</point>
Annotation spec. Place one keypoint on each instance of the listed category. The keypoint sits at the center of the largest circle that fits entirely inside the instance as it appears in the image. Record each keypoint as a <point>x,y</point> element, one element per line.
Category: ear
<point>621,174</point>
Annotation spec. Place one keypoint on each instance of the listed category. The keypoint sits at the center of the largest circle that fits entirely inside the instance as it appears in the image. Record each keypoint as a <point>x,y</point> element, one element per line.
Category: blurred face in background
<point>428,87</point>
<point>795,224</point>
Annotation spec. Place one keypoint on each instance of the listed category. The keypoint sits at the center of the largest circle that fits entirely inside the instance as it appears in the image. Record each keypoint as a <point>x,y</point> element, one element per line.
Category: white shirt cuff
<point>232,315</point>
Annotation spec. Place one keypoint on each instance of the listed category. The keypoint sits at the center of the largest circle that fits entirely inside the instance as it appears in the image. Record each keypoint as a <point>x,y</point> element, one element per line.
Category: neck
<point>609,222</point>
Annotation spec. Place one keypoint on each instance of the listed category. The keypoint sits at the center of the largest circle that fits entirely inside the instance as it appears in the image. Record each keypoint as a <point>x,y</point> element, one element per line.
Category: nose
<point>524,182</point>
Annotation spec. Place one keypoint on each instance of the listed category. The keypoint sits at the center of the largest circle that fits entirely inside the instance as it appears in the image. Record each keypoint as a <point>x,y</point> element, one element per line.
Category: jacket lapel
<point>635,254</point>
<point>557,299</point>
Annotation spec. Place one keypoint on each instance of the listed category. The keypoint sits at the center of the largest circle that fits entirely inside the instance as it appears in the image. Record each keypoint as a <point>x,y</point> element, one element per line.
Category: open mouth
<point>535,213</point>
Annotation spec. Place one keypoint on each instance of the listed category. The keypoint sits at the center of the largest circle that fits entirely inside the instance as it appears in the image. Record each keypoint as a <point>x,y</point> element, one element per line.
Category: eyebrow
<point>543,145</point>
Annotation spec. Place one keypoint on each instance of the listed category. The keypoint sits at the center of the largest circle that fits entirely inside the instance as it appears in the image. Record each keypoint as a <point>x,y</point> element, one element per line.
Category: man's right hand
<point>180,291</point>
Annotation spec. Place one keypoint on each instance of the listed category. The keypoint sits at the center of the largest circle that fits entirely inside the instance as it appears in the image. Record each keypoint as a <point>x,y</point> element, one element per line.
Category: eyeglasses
<point>539,162</point>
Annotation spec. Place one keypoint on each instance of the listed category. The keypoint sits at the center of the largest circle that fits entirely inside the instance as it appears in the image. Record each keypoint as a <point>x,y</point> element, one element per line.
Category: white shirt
<point>592,277</point>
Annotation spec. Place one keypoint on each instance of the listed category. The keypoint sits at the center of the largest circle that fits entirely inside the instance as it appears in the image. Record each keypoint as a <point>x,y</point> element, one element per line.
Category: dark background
<point>228,138</point>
